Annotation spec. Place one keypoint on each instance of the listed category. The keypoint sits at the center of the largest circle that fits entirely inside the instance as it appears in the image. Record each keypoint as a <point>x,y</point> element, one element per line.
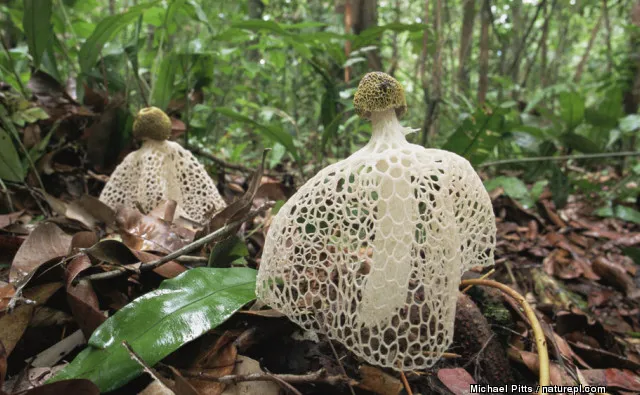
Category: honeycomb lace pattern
<point>372,248</point>
<point>162,170</point>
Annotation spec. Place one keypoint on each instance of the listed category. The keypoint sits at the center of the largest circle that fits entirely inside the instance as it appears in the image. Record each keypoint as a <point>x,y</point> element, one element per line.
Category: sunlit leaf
<point>160,322</point>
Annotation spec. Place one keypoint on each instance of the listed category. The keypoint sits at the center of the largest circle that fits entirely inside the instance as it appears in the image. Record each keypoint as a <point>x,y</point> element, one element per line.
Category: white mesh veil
<point>372,248</point>
<point>162,170</point>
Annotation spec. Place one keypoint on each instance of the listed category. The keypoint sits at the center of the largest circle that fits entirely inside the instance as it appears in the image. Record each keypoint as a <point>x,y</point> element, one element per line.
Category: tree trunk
<point>544,56</point>
<point>348,23</point>
<point>587,51</point>
<point>364,14</point>
<point>466,34</point>
<point>255,8</point>
<point>433,93</point>
<point>483,82</point>
<point>607,25</point>
<point>632,94</point>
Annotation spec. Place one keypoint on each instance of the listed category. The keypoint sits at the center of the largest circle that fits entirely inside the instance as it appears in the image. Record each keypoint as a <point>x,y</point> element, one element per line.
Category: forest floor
<point>576,270</point>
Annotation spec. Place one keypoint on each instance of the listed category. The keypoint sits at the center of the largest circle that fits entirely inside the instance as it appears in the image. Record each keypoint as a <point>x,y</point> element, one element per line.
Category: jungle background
<point>542,97</point>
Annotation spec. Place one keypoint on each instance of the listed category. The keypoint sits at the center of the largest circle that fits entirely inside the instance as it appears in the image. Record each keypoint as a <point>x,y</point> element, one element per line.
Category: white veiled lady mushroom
<point>372,248</point>
<point>161,170</point>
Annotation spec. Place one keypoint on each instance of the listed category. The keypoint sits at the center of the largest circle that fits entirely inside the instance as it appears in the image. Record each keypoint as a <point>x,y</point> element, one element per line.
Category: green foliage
<point>276,135</point>
<point>478,134</point>
<point>106,31</point>
<point>37,27</point>
<point>160,322</point>
<point>10,166</point>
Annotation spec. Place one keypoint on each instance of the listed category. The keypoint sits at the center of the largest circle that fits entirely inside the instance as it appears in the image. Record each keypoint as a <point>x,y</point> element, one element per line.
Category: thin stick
<point>333,349</point>
<point>138,359</point>
<point>484,276</point>
<point>405,382</point>
<point>316,377</point>
<point>538,334</point>
<point>220,161</point>
<point>225,230</point>
<point>560,158</point>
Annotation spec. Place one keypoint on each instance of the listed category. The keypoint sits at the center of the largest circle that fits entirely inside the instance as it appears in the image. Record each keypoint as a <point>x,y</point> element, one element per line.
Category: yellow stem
<point>538,334</point>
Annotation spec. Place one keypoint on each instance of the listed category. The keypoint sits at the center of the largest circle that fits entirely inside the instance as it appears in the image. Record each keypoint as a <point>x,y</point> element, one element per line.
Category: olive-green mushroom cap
<point>377,92</point>
<point>152,123</point>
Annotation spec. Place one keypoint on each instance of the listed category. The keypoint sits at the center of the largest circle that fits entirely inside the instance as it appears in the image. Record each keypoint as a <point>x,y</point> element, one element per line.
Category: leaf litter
<point>580,272</point>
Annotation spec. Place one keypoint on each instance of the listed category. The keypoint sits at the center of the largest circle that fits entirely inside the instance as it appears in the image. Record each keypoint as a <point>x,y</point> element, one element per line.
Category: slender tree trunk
<point>433,93</point>
<point>394,45</point>
<point>255,8</point>
<point>466,35</point>
<point>544,56</point>
<point>587,51</point>
<point>515,39</point>
<point>607,25</point>
<point>348,22</point>
<point>545,27</point>
<point>483,82</point>
<point>515,65</point>
<point>364,15</point>
<point>632,94</point>
<point>425,41</point>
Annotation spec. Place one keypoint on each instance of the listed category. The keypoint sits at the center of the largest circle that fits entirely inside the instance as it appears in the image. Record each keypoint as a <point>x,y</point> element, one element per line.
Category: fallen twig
<point>224,231</point>
<point>138,359</point>
<point>316,377</point>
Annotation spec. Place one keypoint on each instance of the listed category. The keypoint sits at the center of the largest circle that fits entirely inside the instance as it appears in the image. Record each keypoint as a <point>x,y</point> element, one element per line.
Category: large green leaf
<point>105,31</point>
<point>160,322</point>
<point>10,167</point>
<point>477,135</point>
<point>513,187</point>
<point>36,22</point>
<point>277,135</point>
<point>163,84</point>
<point>571,109</point>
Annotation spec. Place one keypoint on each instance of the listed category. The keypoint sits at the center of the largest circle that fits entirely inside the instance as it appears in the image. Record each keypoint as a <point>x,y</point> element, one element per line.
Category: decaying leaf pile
<point>191,326</point>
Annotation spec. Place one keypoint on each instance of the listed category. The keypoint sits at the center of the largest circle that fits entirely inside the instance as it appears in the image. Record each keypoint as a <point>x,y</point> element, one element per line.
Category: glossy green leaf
<point>10,166</point>
<point>571,109</point>
<point>36,22</point>
<point>160,322</point>
<point>105,31</point>
<point>277,135</point>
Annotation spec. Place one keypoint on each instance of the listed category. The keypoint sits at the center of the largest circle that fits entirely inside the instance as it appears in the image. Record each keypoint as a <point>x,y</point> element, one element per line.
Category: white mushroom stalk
<point>371,249</point>
<point>161,170</point>
<point>385,288</point>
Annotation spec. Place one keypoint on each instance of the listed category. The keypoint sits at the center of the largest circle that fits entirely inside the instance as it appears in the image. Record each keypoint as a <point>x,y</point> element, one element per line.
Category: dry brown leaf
<point>614,274</point>
<point>45,243</point>
<point>379,382</point>
<point>457,380</point>
<point>8,219</point>
<point>81,297</point>
<point>13,324</point>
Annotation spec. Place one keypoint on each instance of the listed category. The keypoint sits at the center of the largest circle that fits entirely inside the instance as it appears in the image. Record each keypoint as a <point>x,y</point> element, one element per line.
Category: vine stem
<point>538,334</point>
<point>560,158</point>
